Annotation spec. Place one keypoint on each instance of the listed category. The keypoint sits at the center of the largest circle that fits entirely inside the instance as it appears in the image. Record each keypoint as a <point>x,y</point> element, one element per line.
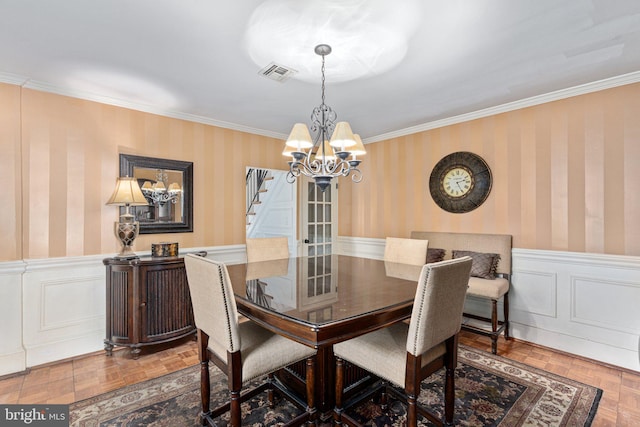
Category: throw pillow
<point>483,265</point>
<point>435,255</point>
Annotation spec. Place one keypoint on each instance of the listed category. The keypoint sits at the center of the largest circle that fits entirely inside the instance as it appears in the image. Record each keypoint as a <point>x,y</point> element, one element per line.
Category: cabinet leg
<point>108,348</point>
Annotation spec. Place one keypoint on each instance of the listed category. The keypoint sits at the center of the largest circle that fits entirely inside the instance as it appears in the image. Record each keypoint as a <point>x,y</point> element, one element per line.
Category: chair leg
<point>506,316</point>
<point>449,395</point>
<point>311,390</point>
<point>337,411</point>
<point>412,411</point>
<point>270,394</point>
<point>205,384</point>
<point>234,375</point>
<point>235,410</point>
<point>494,326</point>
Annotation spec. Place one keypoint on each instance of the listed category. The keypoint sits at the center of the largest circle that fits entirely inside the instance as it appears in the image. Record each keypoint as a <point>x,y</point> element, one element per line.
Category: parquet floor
<point>79,378</point>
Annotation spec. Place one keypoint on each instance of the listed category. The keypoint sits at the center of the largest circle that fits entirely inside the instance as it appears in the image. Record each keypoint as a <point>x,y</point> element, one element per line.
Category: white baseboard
<point>13,362</point>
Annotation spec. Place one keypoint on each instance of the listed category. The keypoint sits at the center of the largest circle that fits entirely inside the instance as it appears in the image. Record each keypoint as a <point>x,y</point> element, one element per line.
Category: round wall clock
<point>460,182</point>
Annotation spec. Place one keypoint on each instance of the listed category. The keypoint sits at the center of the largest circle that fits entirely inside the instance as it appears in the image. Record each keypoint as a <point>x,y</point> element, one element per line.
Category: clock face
<point>460,182</point>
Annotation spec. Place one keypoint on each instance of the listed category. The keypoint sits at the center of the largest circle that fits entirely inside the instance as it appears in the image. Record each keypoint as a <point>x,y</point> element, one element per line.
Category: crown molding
<point>583,89</point>
<point>13,79</point>
<point>608,83</point>
<point>46,87</point>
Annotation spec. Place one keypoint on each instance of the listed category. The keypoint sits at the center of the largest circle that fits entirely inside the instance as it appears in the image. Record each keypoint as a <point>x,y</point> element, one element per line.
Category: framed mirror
<point>168,187</point>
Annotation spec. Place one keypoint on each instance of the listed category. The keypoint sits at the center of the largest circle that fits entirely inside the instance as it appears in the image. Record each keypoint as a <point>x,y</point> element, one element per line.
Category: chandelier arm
<point>356,175</point>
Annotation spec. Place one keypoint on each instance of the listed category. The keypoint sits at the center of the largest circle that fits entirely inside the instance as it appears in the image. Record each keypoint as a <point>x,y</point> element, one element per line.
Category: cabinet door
<point>165,302</point>
<point>119,310</point>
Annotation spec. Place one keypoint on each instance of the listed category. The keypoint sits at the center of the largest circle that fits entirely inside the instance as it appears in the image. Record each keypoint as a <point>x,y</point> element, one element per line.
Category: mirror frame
<point>128,162</point>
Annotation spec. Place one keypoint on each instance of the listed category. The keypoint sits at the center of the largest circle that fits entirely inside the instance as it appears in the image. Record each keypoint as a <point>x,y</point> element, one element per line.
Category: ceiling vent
<point>277,72</point>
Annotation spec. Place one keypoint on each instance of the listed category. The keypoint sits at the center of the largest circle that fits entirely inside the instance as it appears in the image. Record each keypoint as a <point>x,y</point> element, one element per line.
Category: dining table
<point>322,300</point>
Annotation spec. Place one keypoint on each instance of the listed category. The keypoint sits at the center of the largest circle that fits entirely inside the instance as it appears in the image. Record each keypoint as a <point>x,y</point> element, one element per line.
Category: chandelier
<point>333,150</point>
<point>158,193</point>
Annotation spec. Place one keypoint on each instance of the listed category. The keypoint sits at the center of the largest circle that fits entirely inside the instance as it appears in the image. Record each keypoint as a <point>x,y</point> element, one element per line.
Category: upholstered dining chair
<point>404,354</point>
<point>267,248</point>
<point>243,351</point>
<point>405,251</point>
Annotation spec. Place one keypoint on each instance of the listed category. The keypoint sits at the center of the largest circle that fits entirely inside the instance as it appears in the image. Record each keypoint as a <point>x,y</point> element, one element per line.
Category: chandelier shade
<point>325,155</point>
<point>158,193</point>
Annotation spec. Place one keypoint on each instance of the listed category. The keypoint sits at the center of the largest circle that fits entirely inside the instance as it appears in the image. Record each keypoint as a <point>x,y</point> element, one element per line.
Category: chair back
<point>267,248</point>
<point>214,305</point>
<point>437,309</point>
<point>406,251</point>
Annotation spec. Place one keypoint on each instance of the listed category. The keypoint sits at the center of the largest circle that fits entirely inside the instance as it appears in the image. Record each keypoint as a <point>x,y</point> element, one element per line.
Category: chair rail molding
<point>575,302</point>
<point>579,303</point>
<point>56,306</point>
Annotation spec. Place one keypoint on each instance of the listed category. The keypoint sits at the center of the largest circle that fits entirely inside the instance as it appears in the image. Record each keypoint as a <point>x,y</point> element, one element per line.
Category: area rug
<point>490,391</point>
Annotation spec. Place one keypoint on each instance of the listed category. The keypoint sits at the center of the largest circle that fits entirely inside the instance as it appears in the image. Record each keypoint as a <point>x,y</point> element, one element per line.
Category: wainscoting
<point>585,304</point>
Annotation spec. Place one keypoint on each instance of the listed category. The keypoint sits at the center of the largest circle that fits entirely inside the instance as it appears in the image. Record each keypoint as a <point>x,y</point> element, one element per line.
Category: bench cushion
<point>494,288</point>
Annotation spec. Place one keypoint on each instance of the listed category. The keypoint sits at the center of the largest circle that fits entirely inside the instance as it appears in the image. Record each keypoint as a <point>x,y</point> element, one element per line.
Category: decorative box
<point>164,249</point>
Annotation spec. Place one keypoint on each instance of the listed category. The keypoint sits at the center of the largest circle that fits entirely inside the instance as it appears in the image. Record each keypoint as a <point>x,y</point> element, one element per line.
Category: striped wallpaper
<point>565,175</point>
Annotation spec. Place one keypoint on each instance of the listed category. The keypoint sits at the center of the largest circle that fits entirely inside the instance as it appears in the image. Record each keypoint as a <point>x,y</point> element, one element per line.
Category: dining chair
<point>405,251</point>
<point>404,355</point>
<point>267,248</point>
<point>243,351</point>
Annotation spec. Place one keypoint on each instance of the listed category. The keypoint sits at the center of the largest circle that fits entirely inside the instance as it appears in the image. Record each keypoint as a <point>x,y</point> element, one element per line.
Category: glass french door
<point>319,225</point>
<point>319,218</point>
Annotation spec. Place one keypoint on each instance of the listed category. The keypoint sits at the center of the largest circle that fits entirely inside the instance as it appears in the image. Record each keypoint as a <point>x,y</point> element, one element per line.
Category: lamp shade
<point>299,138</point>
<point>358,149</point>
<point>127,192</point>
<point>174,188</point>
<point>342,136</point>
<point>328,152</point>
<point>286,151</point>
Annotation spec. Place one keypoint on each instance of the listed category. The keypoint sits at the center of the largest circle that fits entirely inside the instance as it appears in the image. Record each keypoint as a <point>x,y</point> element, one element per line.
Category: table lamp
<point>127,193</point>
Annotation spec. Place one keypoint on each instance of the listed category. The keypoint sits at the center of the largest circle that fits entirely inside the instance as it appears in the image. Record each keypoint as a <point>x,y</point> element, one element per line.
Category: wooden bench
<point>492,289</point>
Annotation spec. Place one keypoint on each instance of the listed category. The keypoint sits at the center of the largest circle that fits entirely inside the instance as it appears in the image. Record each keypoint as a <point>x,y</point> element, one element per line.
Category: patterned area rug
<point>490,391</point>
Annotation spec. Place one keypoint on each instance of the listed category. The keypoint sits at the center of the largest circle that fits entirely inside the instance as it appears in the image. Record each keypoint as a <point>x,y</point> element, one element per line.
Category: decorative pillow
<point>483,265</point>
<point>435,255</point>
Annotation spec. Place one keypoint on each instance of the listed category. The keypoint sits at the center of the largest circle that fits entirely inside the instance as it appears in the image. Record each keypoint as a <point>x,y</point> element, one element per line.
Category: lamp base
<point>126,232</point>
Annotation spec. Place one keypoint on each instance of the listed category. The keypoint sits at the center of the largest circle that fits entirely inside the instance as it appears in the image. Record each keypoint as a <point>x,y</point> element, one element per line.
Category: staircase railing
<point>255,179</point>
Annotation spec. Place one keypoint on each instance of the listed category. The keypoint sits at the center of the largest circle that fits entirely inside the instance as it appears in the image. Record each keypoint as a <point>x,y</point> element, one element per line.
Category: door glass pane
<point>320,236</point>
<point>311,233</point>
<point>311,214</point>
<point>327,213</point>
<point>311,288</point>
<point>312,191</point>
<point>327,196</point>
<point>320,212</point>
<point>327,233</point>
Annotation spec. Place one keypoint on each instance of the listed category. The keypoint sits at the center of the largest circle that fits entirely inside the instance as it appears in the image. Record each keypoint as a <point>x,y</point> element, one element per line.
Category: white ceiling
<point>191,58</point>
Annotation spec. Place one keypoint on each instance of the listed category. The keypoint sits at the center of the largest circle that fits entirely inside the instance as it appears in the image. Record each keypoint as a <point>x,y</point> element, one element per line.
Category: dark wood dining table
<point>322,300</point>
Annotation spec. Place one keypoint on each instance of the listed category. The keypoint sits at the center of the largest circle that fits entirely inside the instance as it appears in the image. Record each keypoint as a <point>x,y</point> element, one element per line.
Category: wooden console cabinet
<point>148,302</point>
